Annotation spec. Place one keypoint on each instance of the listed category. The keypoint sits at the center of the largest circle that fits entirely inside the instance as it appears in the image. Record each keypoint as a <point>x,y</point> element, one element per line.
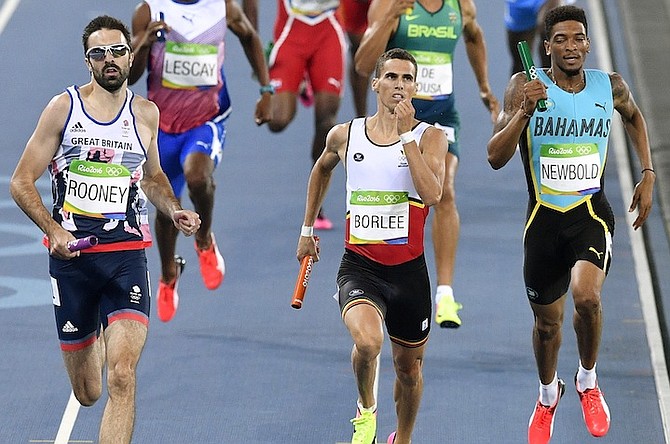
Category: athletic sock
<point>586,379</point>
<point>444,291</point>
<point>549,392</point>
<point>362,409</point>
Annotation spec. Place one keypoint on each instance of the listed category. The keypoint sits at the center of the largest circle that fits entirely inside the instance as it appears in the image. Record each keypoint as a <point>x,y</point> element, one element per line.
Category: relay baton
<point>306,266</point>
<point>160,34</point>
<point>531,71</point>
<point>82,243</point>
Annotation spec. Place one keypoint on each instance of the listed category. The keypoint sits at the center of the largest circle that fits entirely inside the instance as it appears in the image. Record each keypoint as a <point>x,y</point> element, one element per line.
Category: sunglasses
<point>98,53</point>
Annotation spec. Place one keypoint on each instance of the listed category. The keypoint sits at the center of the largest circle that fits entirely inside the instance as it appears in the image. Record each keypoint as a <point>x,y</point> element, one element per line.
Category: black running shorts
<point>401,294</point>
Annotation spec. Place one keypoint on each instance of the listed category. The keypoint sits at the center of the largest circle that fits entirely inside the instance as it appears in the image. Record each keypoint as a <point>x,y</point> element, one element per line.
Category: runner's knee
<point>120,379</point>
<point>199,183</point>
<point>547,329</point>
<point>87,392</point>
<point>368,347</point>
<point>587,304</point>
<point>408,372</point>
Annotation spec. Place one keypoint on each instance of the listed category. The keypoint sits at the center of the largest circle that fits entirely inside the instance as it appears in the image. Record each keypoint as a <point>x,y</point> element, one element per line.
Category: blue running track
<point>239,365</point>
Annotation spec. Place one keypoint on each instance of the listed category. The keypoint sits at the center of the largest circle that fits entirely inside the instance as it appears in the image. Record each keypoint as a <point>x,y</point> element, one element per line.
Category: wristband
<point>407,137</point>
<point>306,231</point>
<point>269,88</point>
<point>647,169</point>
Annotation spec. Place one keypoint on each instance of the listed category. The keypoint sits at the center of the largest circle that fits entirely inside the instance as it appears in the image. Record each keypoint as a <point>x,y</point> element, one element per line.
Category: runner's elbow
<point>495,163</point>
<point>362,68</point>
<point>495,158</point>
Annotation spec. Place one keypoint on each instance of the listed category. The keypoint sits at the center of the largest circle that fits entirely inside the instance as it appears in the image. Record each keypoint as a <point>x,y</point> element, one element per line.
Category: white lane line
<point>67,423</point>
<point>642,273</point>
<point>6,12</point>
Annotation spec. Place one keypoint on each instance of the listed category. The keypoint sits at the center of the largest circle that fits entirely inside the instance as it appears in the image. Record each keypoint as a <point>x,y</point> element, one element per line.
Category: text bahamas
<point>563,127</point>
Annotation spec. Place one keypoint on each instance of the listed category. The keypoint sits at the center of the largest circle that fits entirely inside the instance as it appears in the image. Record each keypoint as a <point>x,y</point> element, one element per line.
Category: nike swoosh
<point>409,18</point>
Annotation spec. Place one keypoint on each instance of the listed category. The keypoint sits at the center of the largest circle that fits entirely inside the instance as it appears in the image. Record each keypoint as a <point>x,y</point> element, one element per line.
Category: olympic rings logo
<point>533,73</point>
<point>583,150</point>
<point>113,171</point>
<point>392,198</point>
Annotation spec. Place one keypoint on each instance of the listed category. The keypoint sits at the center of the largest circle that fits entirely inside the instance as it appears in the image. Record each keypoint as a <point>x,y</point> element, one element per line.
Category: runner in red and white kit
<point>308,42</point>
<point>353,14</point>
<point>395,166</point>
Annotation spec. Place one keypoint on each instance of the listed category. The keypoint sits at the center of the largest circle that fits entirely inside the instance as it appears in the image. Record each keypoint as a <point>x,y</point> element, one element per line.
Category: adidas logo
<point>78,128</point>
<point>69,328</point>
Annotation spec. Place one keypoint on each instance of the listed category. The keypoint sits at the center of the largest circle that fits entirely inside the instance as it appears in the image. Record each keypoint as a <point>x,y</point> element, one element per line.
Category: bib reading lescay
<point>96,175</point>
<point>385,215</point>
<point>564,149</point>
<point>185,79</point>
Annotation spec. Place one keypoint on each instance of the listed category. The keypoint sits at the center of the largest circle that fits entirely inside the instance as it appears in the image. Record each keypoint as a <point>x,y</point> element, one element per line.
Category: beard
<point>113,83</point>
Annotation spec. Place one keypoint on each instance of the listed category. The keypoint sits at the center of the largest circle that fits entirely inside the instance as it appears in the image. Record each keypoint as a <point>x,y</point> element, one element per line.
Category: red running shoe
<point>541,424</point>
<point>212,266</point>
<point>595,411</point>
<point>167,296</point>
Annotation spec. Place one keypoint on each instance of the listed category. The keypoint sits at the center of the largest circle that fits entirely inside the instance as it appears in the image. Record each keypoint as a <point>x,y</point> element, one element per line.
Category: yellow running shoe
<point>365,428</point>
<point>446,313</point>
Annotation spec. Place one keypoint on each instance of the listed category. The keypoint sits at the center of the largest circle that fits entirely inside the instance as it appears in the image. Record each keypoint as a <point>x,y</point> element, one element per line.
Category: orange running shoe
<point>595,411</point>
<point>168,299</point>
<point>541,424</point>
<point>212,266</point>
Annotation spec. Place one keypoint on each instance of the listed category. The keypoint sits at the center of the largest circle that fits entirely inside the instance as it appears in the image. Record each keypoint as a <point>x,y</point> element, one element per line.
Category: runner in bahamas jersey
<point>568,233</point>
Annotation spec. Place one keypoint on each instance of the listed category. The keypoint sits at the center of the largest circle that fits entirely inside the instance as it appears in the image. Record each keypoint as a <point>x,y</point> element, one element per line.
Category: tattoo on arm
<point>623,100</point>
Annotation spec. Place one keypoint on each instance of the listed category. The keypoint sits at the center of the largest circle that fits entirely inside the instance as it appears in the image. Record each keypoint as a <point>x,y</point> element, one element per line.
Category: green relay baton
<point>531,71</point>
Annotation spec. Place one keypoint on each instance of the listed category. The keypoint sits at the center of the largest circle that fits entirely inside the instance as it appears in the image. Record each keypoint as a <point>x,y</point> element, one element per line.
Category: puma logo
<point>596,252</point>
<point>599,105</point>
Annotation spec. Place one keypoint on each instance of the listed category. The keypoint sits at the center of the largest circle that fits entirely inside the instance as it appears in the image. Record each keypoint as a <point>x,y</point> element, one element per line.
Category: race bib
<point>434,76</point>
<point>98,190</point>
<point>570,168</point>
<point>190,65</point>
<point>377,217</point>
